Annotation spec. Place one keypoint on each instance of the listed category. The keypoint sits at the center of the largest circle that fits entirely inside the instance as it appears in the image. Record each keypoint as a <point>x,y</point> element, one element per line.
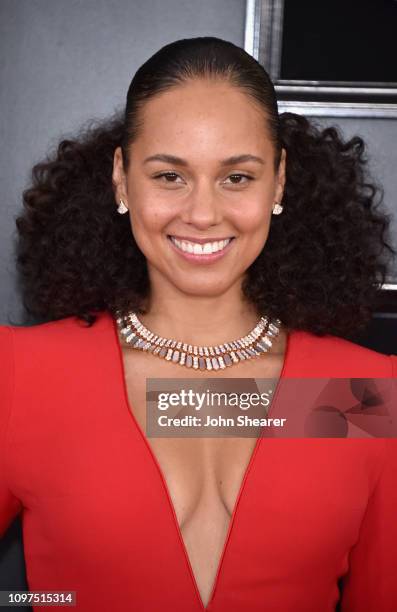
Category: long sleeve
<point>10,505</point>
<point>371,583</point>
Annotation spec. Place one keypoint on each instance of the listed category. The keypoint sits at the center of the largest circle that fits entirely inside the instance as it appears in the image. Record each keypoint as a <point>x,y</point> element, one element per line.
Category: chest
<point>203,476</point>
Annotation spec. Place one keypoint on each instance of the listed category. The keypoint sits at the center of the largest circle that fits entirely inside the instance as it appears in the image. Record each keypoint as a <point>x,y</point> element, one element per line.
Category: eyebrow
<point>235,159</point>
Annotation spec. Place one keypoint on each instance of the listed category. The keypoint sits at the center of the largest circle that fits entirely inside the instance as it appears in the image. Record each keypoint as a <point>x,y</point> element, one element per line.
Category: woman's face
<point>195,192</point>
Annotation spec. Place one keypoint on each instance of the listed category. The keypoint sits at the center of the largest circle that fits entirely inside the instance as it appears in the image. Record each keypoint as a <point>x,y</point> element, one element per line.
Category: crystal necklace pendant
<point>260,339</point>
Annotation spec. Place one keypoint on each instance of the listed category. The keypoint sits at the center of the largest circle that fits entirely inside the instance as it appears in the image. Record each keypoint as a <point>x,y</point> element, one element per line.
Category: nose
<point>202,207</point>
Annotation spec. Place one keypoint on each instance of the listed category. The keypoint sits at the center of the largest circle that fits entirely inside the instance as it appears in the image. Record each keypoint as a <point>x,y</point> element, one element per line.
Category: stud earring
<point>277,209</point>
<point>122,208</point>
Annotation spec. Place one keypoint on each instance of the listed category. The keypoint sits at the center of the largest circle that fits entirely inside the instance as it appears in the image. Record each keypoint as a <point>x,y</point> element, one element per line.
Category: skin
<point>202,122</point>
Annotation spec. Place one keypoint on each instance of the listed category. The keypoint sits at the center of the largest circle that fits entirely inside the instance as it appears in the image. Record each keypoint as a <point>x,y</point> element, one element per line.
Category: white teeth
<point>200,249</point>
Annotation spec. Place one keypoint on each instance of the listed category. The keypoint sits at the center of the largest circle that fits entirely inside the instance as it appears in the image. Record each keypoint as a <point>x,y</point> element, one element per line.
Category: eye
<point>239,176</point>
<point>167,175</point>
<point>170,176</point>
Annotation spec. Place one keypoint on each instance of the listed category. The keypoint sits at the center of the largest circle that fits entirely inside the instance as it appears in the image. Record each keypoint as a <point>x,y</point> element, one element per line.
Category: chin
<point>199,289</point>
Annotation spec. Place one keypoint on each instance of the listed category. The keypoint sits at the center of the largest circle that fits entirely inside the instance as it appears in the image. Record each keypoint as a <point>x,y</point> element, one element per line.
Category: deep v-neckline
<point>152,456</point>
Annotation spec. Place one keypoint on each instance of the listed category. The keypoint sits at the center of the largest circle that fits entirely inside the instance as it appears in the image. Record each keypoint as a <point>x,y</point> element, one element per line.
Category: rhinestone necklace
<point>134,334</point>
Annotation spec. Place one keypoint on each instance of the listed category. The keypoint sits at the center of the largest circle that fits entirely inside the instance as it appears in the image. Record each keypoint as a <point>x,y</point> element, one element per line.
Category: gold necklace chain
<point>259,340</point>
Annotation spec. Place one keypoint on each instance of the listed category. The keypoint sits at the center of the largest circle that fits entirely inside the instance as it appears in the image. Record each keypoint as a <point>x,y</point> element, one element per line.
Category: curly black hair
<point>325,258</point>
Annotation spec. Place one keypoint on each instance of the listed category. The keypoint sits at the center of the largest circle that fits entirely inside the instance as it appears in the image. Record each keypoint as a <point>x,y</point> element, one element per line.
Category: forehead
<point>204,113</point>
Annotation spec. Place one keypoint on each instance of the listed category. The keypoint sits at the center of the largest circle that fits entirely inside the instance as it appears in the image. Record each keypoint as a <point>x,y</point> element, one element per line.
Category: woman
<point>289,231</point>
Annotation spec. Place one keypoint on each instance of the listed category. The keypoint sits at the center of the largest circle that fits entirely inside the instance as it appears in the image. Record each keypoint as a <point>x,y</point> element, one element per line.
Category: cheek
<point>149,216</point>
<point>148,211</point>
<point>252,210</point>
<point>253,216</point>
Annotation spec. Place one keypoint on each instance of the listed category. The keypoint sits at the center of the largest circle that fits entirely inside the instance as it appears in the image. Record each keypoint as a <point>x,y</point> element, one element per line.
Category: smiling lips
<point>201,250</point>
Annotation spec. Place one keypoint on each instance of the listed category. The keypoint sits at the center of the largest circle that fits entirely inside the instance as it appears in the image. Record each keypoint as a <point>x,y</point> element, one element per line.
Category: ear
<point>119,178</point>
<point>281,176</point>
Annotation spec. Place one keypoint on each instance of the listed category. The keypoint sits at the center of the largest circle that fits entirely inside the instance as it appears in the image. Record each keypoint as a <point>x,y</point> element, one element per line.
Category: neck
<point>199,320</point>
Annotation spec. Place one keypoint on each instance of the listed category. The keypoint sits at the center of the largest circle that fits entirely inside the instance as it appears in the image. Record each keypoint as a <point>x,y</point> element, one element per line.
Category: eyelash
<point>159,176</point>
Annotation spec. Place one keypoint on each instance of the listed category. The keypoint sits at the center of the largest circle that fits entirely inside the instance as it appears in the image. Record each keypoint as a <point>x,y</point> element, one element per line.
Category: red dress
<point>98,519</point>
